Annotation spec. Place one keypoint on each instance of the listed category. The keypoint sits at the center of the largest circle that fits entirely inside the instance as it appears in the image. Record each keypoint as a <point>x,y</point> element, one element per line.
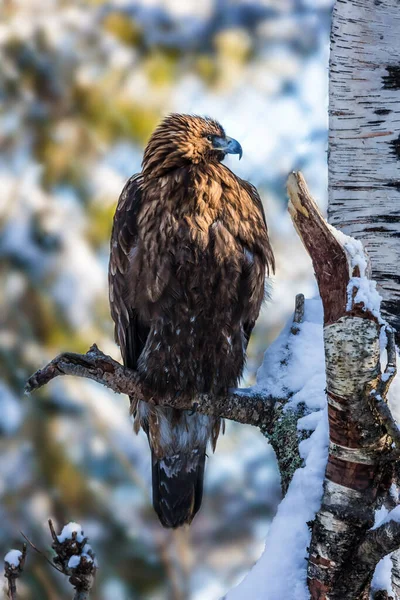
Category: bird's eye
<point>210,138</point>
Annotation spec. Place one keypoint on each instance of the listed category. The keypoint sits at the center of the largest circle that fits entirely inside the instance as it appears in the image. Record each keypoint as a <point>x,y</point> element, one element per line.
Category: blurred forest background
<point>82,85</point>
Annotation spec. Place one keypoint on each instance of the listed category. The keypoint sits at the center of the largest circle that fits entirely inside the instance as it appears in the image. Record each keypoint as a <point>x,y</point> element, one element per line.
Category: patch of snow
<point>13,558</point>
<point>394,492</point>
<point>360,290</point>
<point>382,579</point>
<point>289,530</point>
<point>68,530</point>
<point>297,364</point>
<point>366,294</point>
<point>393,515</point>
<point>303,373</point>
<point>380,514</point>
<point>309,422</point>
<point>74,561</point>
<point>386,376</point>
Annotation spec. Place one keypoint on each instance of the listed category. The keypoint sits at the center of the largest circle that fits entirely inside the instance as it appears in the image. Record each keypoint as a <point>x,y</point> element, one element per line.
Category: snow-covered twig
<point>75,558</point>
<point>14,562</point>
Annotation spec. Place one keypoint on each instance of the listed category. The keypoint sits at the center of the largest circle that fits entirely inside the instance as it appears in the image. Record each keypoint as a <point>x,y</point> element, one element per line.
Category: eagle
<point>189,257</point>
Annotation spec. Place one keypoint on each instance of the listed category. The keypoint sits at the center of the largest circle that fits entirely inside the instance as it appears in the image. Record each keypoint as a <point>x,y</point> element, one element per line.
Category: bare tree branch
<point>376,544</point>
<point>242,406</point>
<point>36,549</point>
<point>381,541</point>
<point>298,316</point>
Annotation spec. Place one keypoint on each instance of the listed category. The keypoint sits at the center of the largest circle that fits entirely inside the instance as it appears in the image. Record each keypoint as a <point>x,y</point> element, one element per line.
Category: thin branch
<point>378,394</point>
<point>238,405</point>
<point>36,549</point>
<point>391,348</point>
<point>12,571</point>
<point>298,316</point>
<point>387,420</point>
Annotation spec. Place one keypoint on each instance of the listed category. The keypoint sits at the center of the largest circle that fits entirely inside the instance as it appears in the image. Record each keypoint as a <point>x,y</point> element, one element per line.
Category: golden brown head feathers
<point>183,139</point>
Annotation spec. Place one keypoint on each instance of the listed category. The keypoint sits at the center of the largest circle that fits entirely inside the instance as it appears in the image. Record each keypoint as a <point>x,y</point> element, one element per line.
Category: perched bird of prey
<point>189,256</point>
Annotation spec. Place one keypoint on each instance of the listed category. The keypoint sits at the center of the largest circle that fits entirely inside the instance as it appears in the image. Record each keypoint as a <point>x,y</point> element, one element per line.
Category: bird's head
<point>183,139</point>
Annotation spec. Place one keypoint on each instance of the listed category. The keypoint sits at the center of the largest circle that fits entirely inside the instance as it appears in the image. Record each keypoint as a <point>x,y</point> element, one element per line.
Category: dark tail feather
<point>178,486</point>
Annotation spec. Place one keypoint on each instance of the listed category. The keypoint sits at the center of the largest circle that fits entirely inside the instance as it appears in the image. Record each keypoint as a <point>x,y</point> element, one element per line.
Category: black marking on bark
<point>394,183</point>
<point>382,111</point>
<point>376,122</point>
<point>392,277</point>
<point>377,229</point>
<point>396,147</point>
<point>391,312</point>
<point>391,81</point>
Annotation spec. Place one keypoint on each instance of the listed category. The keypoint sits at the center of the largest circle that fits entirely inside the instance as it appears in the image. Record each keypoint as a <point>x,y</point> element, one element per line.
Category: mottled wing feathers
<point>256,262</point>
<point>130,333</point>
<point>266,246</point>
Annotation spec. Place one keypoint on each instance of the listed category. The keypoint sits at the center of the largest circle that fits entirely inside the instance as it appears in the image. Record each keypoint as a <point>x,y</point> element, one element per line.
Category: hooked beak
<point>228,145</point>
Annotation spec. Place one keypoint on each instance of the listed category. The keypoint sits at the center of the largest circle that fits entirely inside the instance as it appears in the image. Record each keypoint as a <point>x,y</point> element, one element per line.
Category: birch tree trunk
<point>364,202</point>
<point>364,136</point>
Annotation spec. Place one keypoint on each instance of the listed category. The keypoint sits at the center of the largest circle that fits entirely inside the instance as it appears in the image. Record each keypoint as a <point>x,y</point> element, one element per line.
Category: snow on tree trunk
<point>359,468</point>
<point>364,136</point>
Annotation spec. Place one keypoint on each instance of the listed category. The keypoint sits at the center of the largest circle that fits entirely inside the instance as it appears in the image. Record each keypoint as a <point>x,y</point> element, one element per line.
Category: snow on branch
<point>14,562</point>
<point>74,557</point>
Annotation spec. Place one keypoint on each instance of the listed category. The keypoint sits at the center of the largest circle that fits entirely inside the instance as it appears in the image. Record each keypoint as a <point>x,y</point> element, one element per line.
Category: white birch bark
<point>364,136</point>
